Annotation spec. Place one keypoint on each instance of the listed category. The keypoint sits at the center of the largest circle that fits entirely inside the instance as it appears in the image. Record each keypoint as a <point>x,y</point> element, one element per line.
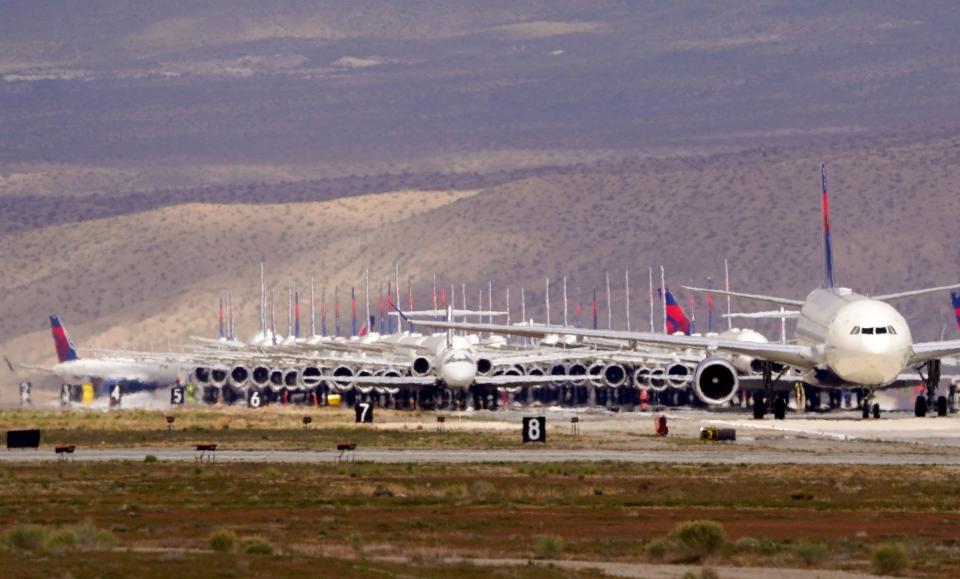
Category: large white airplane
<point>843,340</point>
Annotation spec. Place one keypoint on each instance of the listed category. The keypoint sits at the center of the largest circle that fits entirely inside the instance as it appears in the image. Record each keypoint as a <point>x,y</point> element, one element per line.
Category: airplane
<point>843,340</point>
<point>135,375</point>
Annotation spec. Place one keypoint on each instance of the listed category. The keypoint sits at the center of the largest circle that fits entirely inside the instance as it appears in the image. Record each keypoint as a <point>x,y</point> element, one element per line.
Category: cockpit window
<point>868,330</point>
<point>890,330</point>
<point>855,331</point>
<point>880,331</point>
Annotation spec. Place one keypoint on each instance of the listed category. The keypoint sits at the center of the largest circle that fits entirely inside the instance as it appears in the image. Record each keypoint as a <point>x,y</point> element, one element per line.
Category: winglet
<point>828,280</point>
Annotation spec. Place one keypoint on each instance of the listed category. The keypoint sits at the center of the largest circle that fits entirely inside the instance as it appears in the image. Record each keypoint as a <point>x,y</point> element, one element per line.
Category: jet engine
<point>239,376</point>
<point>344,373</point>
<point>641,377</point>
<point>202,374</point>
<point>577,369</point>
<point>276,378</point>
<point>614,375</point>
<point>421,366</point>
<point>535,371</point>
<point>484,366</point>
<point>715,381</point>
<point>218,376</point>
<point>678,375</point>
<point>260,376</point>
<point>310,377</point>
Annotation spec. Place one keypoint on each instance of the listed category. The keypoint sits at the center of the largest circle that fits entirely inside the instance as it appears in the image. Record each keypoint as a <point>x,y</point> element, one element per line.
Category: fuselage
<point>859,340</point>
<point>116,370</point>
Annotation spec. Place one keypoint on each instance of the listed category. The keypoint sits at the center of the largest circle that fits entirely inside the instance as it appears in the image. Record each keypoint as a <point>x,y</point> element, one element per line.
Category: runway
<point>718,454</point>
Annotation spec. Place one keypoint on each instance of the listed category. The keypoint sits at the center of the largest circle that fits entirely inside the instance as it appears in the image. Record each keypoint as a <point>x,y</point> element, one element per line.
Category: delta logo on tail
<point>676,320</point>
<point>955,296</point>
<point>66,351</point>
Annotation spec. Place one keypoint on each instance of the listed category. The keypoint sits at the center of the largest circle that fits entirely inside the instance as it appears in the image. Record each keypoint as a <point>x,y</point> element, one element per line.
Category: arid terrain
<point>152,155</point>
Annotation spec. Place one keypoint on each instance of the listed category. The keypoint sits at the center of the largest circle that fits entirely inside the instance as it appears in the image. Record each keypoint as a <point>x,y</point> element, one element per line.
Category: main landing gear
<point>929,397</point>
<point>761,401</point>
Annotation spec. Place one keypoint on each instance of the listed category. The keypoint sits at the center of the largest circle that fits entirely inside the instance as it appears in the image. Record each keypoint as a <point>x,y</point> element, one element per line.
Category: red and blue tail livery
<point>676,320</point>
<point>955,296</point>
<point>66,351</point>
<point>828,280</point>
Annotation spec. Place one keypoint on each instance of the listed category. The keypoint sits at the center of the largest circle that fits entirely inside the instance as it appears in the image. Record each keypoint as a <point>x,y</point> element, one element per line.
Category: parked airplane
<point>843,340</point>
<point>104,373</point>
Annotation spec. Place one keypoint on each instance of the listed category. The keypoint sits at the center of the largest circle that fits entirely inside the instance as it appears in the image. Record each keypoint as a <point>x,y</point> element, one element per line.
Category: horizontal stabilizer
<point>758,297</point>
<point>919,292</point>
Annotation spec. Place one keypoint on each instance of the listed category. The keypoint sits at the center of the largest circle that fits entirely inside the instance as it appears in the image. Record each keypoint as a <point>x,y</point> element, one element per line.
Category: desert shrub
<point>271,472</point>
<point>356,542</point>
<point>257,546</point>
<point>223,540</point>
<point>27,537</point>
<point>747,544</point>
<point>888,559</point>
<point>548,546</point>
<point>482,489</point>
<point>811,554</point>
<point>658,549</point>
<point>89,536</point>
<point>150,458</point>
<point>382,491</point>
<point>698,540</point>
<point>61,540</point>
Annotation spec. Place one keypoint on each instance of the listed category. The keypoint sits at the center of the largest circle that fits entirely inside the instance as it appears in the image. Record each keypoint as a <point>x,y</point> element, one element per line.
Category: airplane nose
<point>459,374</point>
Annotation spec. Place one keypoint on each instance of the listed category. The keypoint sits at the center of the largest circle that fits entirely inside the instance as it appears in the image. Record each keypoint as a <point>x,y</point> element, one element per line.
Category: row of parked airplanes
<point>844,340</point>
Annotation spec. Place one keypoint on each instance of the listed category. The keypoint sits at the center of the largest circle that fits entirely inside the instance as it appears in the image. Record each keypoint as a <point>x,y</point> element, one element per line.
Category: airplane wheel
<point>759,408</point>
<point>876,411</point>
<point>866,411</point>
<point>942,406</point>
<point>780,408</point>
<point>920,407</point>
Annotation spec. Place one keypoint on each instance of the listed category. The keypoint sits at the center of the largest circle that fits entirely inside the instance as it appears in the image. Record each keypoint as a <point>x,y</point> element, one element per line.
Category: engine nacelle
<point>260,376</point>
<point>276,378</point>
<point>344,373</point>
<point>239,376</point>
<point>421,366</point>
<point>535,371</point>
<point>715,381</point>
<point>595,371</point>
<point>218,376</point>
<point>577,369</point>
<point>291,378</point>
<point>678,375</point>
<point>202,374</point>
<point>310,377</point>
<point>484,366</point>
<point>614,375</point>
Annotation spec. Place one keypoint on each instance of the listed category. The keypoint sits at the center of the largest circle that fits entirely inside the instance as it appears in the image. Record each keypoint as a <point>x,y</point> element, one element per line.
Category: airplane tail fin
<point>676,320</point>
<point>828,280</point>
<point>66,351</point>
<point>955,296</point>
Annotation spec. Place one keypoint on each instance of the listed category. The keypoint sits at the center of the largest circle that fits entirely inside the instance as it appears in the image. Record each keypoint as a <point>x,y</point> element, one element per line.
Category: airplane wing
<point>925,351</point>
<point>769,315</point>
<point>387,380</point>
<point>906,294</point>
<point>798,356</point>
<point>504,380</point>
<point>758,297</point>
